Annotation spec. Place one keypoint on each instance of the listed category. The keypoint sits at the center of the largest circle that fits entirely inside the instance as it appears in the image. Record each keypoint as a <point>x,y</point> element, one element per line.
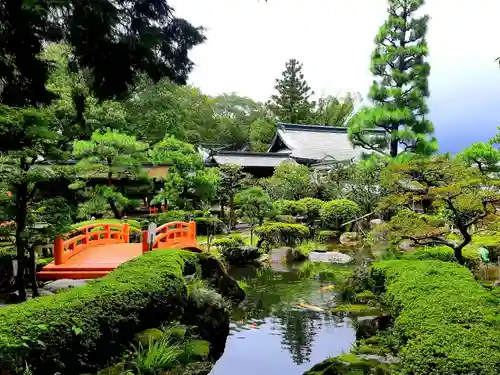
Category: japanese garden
<point>149,228</point>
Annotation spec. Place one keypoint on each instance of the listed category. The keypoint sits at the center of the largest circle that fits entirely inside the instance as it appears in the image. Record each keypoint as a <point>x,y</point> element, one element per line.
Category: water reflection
<point>271,334</point>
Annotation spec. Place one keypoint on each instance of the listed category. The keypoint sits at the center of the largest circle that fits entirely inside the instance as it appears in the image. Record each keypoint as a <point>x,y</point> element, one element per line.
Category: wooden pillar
<point>126,232</point>
<point>59,250</point>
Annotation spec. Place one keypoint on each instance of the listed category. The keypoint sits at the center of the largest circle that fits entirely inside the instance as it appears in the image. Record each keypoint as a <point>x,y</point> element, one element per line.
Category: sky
<point>249,42</point>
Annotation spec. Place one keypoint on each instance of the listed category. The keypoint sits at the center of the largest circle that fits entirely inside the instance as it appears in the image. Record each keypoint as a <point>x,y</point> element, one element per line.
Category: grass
<point>305,248</point>
<point>158,355</point>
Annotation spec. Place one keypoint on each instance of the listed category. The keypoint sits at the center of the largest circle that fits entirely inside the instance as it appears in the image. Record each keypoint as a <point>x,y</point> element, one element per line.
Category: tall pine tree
<point>291,104</point>
<point>400,87</point>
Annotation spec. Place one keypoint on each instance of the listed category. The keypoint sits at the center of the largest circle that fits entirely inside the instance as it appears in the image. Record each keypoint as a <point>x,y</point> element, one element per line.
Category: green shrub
<point>312,209</point>
<point>445,322</point>
<point>336,212</point>
<point>292,208</point>
<point>284,219</point>
<point>282,234</point>
<point>80,329</point>
<point>210,224</point>
<point>170,216</point>
<point>445,254</point>
<point>135,226</point>
<point>229,242</point>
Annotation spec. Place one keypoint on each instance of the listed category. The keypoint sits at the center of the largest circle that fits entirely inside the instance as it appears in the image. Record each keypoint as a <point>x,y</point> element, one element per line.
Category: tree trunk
<point>458,255</point>
<point>32,261</point>
<point>21,213</point>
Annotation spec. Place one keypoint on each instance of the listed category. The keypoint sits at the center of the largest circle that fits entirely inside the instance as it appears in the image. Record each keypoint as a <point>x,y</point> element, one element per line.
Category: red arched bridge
<point>94,250</point>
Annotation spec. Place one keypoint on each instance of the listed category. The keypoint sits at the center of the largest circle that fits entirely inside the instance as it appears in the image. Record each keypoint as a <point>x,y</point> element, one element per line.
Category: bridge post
<point>192,229</point>
<point>126,233</point>
<point>145,244</point>
<point>59,250</point>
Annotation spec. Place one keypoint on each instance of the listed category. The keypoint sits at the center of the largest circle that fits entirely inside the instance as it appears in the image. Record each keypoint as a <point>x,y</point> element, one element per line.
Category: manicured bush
<point>281,234</point>
<point>210,224</point>
<point>445,254</point>
<point>82,328</point>
<point>284,219</point>
<point>288,207</point>
<point>336,212</point>
<point>169,216</point>
<point>445,321</point>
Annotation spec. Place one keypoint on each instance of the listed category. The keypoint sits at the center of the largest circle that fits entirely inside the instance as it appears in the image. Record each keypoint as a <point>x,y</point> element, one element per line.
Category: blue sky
<point>249,42</point>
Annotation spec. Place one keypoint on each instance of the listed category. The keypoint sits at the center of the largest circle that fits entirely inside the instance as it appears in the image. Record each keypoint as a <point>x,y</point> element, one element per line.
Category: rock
<point>264,259</point>
<point>351,239</point>
<point>406,245</point>
<point>330,257</point>
<point>57,285</point>
<point>281,255</point>
<point>213,271</point>
<point>242,256</point>
<point>496,284</point>
<point>376,222</point>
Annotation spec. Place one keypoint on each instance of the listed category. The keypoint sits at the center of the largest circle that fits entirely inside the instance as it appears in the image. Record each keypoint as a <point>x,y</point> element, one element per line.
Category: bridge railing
<point>170,234</point>
<point>65,246</point>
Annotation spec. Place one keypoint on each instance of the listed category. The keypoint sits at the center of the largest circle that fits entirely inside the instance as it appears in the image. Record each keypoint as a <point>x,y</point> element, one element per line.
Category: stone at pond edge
<point>356,310</point>
<point>214,272</point>
<point>57,285</point>
<point>281,255</point>
<point>330,257</point>
<point>376,222</point>
<point>351,239</point>
<point>348,365</point>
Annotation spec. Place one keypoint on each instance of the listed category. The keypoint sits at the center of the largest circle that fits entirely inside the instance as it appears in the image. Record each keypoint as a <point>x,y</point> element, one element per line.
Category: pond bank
<point>284,326</point>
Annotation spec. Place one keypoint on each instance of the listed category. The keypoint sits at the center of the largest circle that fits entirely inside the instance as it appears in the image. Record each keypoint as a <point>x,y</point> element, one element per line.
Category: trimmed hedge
<point>445,322</point>
<point>134,224</point>
<point>84,327</point>
<point>445,254</point>
<point>282,234</point>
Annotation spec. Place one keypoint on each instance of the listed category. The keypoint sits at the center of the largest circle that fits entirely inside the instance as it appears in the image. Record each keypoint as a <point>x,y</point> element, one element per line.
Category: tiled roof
<point>251,159</point>
<point>315,142</point>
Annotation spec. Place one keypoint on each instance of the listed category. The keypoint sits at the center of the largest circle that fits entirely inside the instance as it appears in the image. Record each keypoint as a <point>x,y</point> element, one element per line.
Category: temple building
<point>312,145</point>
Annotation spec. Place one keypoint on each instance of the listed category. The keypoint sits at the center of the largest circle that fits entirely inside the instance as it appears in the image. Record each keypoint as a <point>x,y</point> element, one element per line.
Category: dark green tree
<point>111,42</point>
<point>400,87</point>
<point>292,103</point>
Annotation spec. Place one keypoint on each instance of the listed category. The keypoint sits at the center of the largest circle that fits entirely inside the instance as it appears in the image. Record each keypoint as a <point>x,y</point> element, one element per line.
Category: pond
<point>271,334</point>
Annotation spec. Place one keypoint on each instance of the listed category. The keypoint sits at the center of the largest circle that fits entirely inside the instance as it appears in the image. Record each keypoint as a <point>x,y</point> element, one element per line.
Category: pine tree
<point>400,87</point>
<point>291,104</point>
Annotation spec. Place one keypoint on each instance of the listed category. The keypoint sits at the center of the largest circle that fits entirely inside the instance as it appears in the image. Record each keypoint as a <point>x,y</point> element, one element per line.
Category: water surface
<point>271,335</point>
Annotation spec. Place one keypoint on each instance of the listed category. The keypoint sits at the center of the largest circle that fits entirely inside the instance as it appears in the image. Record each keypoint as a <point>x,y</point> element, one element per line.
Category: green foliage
<point>334,112</point>
<point>261,134</point>
<point>130,40</point>
<point>452,194</point>
<point>324,271</point>
<point>312,209</point>
<point>292,104</point>
<point>134,224</point>
<point>81,322</point>
<point>445,322</point>
<point>290,181</point>
<point>254,205</point>
<point>400,86</point>
<point>165,109</point>
<point>158,355</point>
<point>292,208</point>
<point>281,234</point>
<point>335,213</point>
<point>189,183</point>
<point>481,155</point>
<point>109,155</point>
<point>232,179</point>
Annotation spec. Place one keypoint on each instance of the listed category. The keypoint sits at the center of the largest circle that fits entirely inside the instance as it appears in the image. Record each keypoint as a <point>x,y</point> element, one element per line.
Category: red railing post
<point>145,244</point>
<point>59,250</point>
<point>192,229</point>
<point>126,232</point>
<point>107,232</point>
